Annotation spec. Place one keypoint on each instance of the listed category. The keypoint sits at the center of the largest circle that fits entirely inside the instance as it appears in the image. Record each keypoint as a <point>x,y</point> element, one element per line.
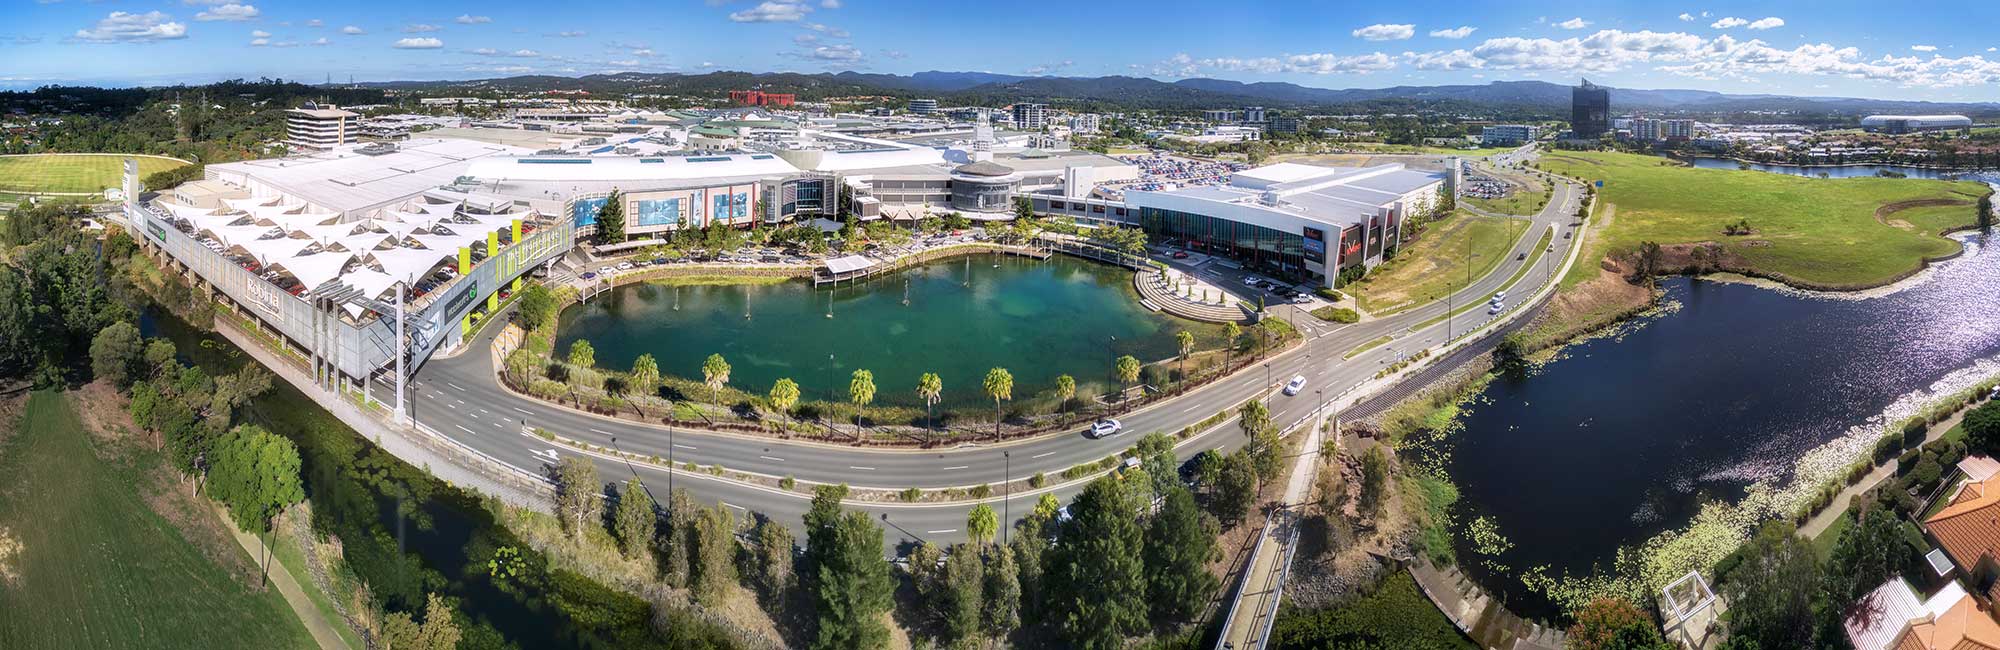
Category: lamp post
<point>1267,377</point>
<point>1007,503</point>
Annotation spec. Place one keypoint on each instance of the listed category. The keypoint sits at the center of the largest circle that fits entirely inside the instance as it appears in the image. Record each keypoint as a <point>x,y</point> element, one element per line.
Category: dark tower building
<point>1589,111</point>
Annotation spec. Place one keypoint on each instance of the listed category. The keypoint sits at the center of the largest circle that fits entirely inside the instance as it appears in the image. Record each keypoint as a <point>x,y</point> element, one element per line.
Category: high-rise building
<point>1282,124</point>
<point>923,106</point>
<point>1085,122</point>
<point>1506,135</point>
<point>1030,116</point>
<point>319,126</point>
<point>1253,114</point>
<point>1589,111</point>
<point>1219,115</point>
<point>1644,129</point>
<point>761,98</point>
<point>1677,130</point>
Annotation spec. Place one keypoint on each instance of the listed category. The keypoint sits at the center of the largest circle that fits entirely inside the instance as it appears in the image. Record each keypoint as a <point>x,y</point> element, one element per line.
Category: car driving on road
<point>1297,384</point>
<point>1105,428</point>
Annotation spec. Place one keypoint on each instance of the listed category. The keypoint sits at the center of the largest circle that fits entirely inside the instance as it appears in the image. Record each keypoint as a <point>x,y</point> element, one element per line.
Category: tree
<point>116,353</point>
<point>715,374</point>
<point>981,523</point>
<point>635,520</point>
<point>712,561</point>
<point>611,218</point>
<point>1869,553</point>
<point>962,593</point>
<point>1648,261</point>
<point>1065,390</point>
<point>535,308</point>
<point>1510,356</point>
<point>931,389</point>
<point>1236,487</point>
<point>999,385</point>
<point>1096,577</point>
<point>1231,333</point>
<point>1155,452</point>
<point>1253,417</point>
<point>1180,541</point>
<point>851,587</point>
<point>1985,212</point>
<point>1773,590</point>
<point>1127,369</point>
<point>1374,479</point>
<point>772,560</point>
<point>1186,341</point>
<point>784,394</point>
<point>438,631</point>
<point>1982,427</point>
<point>1613,623</point>
<point>645,375</point>
<point>577,488</point>
<point>860,391</point>
<point>1023,208</point>
<point>1003,591</point>
<point>582,356</point>
<point>255,473</point>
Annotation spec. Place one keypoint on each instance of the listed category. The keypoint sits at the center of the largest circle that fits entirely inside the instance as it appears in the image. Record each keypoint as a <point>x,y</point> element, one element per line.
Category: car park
<point>1298,383</point>
<point>1105,428</point>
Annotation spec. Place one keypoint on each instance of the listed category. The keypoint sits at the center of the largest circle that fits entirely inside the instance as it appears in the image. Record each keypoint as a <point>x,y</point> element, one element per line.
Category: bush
<point>1907,462</point>
<point>1037,480</point>
<point>1886,449</point>
<point>1329,294</point>
<point>786,483</point>
<point>1926,474</point>
<point>980,491</point>
<point>1337,314</point>
<point>1913,433</point>
<point>910,495</point>
<point>162,180</point>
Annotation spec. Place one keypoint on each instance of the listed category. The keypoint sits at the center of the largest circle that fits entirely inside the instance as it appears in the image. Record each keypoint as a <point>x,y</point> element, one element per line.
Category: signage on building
<point>463,300</point>
<point>1315,243</point>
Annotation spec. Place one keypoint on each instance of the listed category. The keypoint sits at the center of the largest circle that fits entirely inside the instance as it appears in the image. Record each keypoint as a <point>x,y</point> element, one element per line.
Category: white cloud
<point>258,33</point>
<point>524,53</point>
<point>895,54</point>
<point>1729,22</point>
<point>1993,49</point>
<point>469,19</point>
<point>829,4</point>
<point>1574,23</point>
<point>321,41</point>
<point>1767,22</point>
<point>832,32</point>
<point>840,52</point>
<point>1049,68</point>
<point>122,27</point>
<point>484,51</point>
<point>419,43</point>
<point>315,23</point>
<point>1924,48</point>
<point>1385,32</point>
<point>259,42</point>
<point>773,11</point>
<point>706,64</point>
<point>1454,33</point>
<point>1336,64</point>
<point>627,63</point>
<point>420,28</point>
<point>229,12</point>
<point>1687,17</point>
<point>1726,57</point>
<point>805,39</point>
<point>571,33</point>
<point>642,52</point>
<point>351,30</point>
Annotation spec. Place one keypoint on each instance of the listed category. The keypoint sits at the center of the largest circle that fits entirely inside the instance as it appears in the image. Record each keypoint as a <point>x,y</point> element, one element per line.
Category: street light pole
<point>1267,377</point>
<point>1007,504</point>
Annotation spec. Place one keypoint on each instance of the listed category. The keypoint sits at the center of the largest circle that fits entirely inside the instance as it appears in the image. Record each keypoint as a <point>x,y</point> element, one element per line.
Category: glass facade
<point>584,211</point>
<point>660,212</point>
<point>1274,252</point>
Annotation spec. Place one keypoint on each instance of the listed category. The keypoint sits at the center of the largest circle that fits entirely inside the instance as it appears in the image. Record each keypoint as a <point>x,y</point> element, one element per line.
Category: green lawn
<point>1521,201</point>
<point>1377,147</point>
<point>1827,538</point>
<point>1436,263</point>
<point>70,173</point>
<point>97,568</point>
<point>1820,232</point>
<point>1397,615</point>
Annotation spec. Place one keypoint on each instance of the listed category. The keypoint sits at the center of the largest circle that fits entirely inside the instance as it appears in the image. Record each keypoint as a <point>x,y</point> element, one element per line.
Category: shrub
<point>1907,462</point>
<point>786,483</point>
<point>1927,473</point>
<point>911,495</point>
<point>1913,433</point>
<point>1037,480</point>
<point>1886,449</point>
<point>1329,294</point>
<point>1337,314</point>
<point>980,491</point>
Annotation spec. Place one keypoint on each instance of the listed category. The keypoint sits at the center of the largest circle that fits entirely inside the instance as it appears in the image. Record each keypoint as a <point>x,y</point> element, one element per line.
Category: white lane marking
<point>1191,409</point>
<point>455,387</point>
<point>461,427</point>
<point>772,458</point>
<point>865,469</point>
<point>497,424</point>
<point>1046,453</point>
<point>452,405</point>
<point>940,532</point>
<point>526,411</point>
<point>956,467</point>
<point>482,410</point>
<point>727,504</point>
<point>602,431</point>
<point>681,446</point>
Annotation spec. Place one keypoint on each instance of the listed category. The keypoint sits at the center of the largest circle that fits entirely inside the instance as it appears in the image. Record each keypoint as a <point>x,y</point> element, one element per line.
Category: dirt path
<point>322,631</point>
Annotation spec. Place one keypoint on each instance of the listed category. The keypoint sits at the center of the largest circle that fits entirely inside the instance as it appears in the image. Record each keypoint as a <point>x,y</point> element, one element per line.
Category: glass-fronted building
<point>1271,251</point>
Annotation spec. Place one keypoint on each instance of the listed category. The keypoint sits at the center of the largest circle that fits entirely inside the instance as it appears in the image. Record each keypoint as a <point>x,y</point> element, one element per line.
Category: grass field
<point>97,568</point>
<point>1396,615</point>
<point>1821,232</point>
<point>1377,147</point>
<point>70,173</point>
<point>1436,263</point>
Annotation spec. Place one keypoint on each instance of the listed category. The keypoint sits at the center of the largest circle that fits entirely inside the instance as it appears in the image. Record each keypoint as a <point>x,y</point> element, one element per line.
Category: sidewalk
<point>1257,599</point>
<point>1838,506</point>
<point>322,630</point>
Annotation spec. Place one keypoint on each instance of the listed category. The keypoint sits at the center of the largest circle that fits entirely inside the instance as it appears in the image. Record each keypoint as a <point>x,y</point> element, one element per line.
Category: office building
<point>1677,130</point>
<point>320,127</point>
<point>1294,221</point>
<point>1589,111</point>
<point>1507,135</point>
<point>1253,114</point>
<point>1914,123</point>
<point>1286,125</point>
<point>1086,122</point>
<point>923,106</point>
<point>1030,116</point>
<point>1224,116</point>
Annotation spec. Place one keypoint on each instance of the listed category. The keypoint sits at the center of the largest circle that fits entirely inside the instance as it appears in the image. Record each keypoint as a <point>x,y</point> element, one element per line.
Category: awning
<point>848,264</point>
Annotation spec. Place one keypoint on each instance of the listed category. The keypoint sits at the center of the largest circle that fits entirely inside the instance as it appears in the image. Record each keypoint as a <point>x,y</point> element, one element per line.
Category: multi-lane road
<point>460,397</point>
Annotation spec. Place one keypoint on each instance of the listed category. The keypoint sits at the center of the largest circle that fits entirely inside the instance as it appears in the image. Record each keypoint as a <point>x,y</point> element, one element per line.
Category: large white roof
<point>617,169</point>
<point>343,180</point>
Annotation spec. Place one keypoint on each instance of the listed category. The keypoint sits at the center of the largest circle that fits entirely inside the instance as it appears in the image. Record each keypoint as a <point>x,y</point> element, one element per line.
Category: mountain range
<point>1141,92</point>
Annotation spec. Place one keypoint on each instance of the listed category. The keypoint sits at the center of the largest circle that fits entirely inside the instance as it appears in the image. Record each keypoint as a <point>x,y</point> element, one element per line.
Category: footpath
<point>1838,506</point>
<point>315,621</point>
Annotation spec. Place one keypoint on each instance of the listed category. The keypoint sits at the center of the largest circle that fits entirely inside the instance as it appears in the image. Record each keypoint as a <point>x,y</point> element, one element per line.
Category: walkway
<point>1255,607</point>
<point>1478,614</point>
<point>315,621</point>
<point>1838,506</point>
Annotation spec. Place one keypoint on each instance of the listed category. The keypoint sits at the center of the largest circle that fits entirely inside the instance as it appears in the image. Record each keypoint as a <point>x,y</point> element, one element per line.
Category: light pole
<point>1007,503</point>
<point>1267,377</point>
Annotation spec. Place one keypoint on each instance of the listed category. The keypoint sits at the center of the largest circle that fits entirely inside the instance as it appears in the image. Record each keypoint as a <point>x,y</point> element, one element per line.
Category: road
<point>460,397</point>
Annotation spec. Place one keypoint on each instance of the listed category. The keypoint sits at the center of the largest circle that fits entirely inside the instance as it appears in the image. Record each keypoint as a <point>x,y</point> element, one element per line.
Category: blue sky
<point>1833,47</point>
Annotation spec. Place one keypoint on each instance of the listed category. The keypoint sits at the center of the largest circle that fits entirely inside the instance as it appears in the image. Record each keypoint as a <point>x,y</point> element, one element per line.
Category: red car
<point>1180,255</point>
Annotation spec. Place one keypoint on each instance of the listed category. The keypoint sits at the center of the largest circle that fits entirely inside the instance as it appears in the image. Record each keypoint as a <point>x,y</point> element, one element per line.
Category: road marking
<point>727,504</point>
<point>461,427</point>
<point>865,469</point>
<point>1046,453</point>
<point>602,431</point>
<point>452,405</point>
<point>1191,409</point>
<point>524,410</point>
<point>681,446</point>
<point>940,532</point>
<point>772,458</point>
<point>455,387</point>
<point>956,467</point>
<point>497,424</point>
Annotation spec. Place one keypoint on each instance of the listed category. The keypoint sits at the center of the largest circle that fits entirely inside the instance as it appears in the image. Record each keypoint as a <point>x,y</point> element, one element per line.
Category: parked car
<point>589,275</point>
<point>624,266</point>
<point>1180,255</point>
<point>1251,280</point>
<point>606,270</point>
<point>1105,428</point>
<point>1300,299</point>
<point>1297,384</point>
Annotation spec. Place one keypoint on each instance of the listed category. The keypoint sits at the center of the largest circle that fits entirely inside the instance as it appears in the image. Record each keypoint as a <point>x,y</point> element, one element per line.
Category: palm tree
<point>645,375</point>
<point>999,385</point>
<point>980,524</point>
<point>1187,347</point>
<point>931,388</point>
<point>861,391</point>
<point>1231,332</point>
<point>1065,389</point>
<point>1253,417</point>
<point>784,395</point>
<point>715,373</point>
<point>1128,371</point>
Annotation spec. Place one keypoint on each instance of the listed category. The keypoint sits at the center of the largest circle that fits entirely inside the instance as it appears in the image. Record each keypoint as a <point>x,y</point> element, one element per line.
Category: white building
<point>923,106</point>
<point>1912,123</point>
<point>1030,116</point>
<point>1086,122</point>
<point>320,126</point>
<point>1507,135</point>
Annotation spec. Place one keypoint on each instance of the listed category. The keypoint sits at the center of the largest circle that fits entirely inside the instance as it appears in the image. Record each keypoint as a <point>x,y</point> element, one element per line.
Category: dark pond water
<point>1847,171</point>
<point>1625,437</point>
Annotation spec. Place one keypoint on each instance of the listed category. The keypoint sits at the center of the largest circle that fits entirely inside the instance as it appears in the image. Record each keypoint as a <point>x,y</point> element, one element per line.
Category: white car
<point>606,270</point>
<point>1501,295</point>
<point>1251,280</point>
<point>1298,383</point>
<point>1301,299</point>
<point>1105,428</point>
<point>1495,309</point>
<point>624,266</point>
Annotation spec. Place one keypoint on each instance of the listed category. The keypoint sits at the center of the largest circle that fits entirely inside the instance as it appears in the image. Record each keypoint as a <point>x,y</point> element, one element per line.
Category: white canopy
<point>408,264</point>
<point>314,270</point>
<point>848,264</point>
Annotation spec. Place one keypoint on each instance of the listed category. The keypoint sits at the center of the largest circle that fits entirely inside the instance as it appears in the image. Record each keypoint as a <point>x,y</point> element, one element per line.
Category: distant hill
<point>1141,92</point>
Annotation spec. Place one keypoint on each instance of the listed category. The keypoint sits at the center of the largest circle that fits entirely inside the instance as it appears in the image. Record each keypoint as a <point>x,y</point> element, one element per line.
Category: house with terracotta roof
<point>1968,530</point>
<point>1893,618</point>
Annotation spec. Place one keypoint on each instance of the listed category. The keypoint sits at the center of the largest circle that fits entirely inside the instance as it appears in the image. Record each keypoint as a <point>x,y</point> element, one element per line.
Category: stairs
<point>1152,288</point>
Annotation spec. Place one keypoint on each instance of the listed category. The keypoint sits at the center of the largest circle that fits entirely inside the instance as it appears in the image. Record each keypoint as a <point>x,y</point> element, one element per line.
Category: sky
<point>1946,52</point>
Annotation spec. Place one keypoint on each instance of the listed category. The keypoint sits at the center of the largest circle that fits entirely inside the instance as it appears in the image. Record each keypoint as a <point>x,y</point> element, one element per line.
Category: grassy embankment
<point>1528,197</point>
<point>85,562</point>
<point>68,173</point>
<point>1833,234</point>
<point>1395,615</point>
<point>1436,264</point>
